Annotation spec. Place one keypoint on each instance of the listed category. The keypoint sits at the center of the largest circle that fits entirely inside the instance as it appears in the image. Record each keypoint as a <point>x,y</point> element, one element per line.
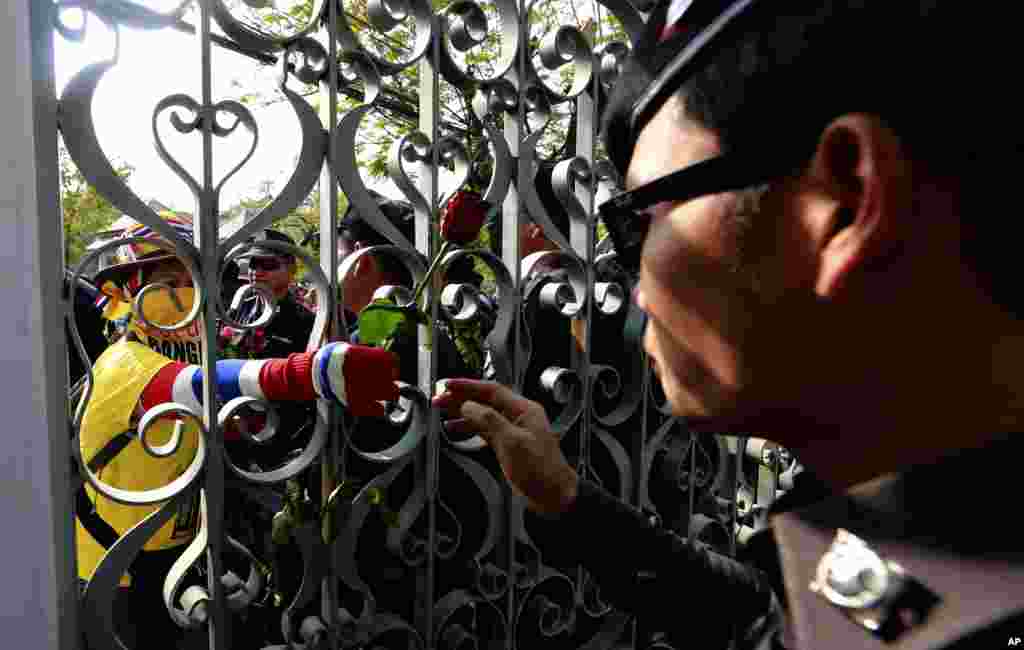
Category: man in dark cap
<point>274,271</point>
<point>813,211</point>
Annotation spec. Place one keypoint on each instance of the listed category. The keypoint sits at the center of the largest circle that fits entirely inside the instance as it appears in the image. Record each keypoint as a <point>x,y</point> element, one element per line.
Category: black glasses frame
<point>265,263</point>
<point>625,216</point>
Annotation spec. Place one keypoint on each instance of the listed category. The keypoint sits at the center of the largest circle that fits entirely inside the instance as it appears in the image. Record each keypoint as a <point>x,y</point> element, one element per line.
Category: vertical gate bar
<point>581,236</point>
<point>582,240</point>
<point>739,449</point>
<point>510,254</point>
<point>639,463</point>
<point>640,440</point>
<point>766,482</point>
<point>427,240</point>
<point>691,483</point>
<point>733,490</point>
<point>205,231</point>
<point>40,596</point>
<point>332,462</point>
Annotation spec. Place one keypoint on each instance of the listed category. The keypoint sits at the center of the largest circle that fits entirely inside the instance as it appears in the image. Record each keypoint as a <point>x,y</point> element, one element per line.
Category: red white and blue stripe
<point>358,377</point>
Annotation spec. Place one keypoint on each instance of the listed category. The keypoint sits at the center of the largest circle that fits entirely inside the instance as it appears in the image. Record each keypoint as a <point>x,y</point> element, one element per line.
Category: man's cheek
<point>687,384</point>
<point>701,325</point>
<point>681,277</point>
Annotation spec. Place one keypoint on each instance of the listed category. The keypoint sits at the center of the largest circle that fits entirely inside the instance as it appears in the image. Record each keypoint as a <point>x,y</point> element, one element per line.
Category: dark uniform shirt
<point>287,333</point>
<point>946,524</point>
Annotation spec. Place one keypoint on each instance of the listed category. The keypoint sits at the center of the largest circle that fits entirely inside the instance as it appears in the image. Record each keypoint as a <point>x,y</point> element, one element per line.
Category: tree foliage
<point>396,113</point>
<point>86,212</point>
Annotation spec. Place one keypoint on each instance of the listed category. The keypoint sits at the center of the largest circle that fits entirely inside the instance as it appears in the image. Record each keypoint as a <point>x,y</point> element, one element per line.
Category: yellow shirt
<point>121,373</point>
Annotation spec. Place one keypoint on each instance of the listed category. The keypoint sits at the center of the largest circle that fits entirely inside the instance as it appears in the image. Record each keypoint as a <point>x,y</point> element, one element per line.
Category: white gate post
<point>38,601</point>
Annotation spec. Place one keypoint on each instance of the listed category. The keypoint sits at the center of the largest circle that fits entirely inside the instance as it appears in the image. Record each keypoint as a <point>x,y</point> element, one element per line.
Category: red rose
<point>463,217</point>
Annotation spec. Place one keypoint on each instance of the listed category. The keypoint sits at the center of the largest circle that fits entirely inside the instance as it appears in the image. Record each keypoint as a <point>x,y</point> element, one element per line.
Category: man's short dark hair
<point>400,213</point>
<point>779,73</point>
<point>355,229</point>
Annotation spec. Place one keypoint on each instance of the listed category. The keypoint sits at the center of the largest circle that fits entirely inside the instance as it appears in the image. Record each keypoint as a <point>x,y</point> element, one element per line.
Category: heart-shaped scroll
<point>202,115</point>
<point>415,148</point>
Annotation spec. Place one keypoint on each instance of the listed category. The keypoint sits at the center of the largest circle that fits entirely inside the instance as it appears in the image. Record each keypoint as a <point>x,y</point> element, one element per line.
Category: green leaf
<point>349,488</point>
<point>374,496</point>
<point>329,525</point>
<point>339,499</point>
<point>382,321</point>
<point>281,527</point>
<point>391,518</point>
<point>468,339</point>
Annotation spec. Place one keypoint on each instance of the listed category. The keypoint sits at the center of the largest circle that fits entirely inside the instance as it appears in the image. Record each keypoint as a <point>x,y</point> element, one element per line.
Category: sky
<point>155,64</point>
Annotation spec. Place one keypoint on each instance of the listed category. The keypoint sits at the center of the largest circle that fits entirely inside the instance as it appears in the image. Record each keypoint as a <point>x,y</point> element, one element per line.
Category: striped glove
<point>356,376</point>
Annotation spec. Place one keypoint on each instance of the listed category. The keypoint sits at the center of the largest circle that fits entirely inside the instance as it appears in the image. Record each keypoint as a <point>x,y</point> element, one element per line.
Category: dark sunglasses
<point>265,263</point>
<point>626,217</point>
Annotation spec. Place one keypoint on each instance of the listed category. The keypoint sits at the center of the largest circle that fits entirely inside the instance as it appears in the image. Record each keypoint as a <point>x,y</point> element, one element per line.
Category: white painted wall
<point>37,591</point>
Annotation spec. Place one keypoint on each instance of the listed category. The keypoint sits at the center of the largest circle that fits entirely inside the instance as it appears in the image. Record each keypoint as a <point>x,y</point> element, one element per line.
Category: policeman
<point>822,257</point>
<point>274,271</point>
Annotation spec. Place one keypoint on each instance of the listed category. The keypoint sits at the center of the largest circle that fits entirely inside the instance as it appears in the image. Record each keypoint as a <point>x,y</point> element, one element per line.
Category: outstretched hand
<point>518,431</point>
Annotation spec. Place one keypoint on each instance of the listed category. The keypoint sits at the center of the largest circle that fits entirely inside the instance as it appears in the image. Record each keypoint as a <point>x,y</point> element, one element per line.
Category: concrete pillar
<point>38,591</point>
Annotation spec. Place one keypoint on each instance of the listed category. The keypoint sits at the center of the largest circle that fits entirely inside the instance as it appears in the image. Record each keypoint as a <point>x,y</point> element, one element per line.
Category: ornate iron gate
<point>457,568</point>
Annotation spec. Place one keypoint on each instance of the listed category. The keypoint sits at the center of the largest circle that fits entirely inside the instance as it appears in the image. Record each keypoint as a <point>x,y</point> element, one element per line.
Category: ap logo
<point>1014,641</point>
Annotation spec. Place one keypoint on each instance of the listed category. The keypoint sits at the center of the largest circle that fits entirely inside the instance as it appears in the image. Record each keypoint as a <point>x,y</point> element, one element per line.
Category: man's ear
<point>863,191</point>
